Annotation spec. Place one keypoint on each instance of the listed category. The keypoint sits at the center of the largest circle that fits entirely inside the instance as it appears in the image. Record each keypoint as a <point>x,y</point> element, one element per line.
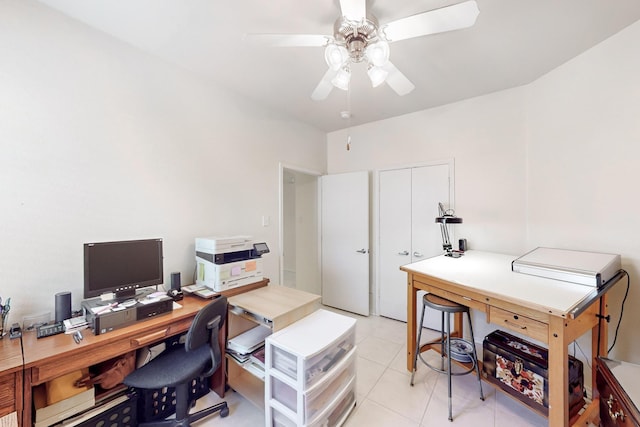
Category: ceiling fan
<point>359,37</point>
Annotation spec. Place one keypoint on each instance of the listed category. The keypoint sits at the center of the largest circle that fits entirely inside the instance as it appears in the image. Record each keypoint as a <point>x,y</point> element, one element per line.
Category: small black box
<point>521,369</point>
<point>155,308</point>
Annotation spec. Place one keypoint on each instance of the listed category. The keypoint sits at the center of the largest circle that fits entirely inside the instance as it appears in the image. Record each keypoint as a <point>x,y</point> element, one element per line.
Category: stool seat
<point>438,303</point>
<point>456,348</point>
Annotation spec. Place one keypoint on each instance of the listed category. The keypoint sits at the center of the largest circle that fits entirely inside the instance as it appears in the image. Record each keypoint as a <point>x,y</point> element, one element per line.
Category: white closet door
<point>408,206</point>
<point>429,185</point>
<point>395,241</point>
<point>345,241</point>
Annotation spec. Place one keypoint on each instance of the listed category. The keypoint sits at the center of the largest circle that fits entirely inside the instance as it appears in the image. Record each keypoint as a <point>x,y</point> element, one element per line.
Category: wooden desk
<point>553,312</point>
<point>10,377</point>
<point>48,358</point>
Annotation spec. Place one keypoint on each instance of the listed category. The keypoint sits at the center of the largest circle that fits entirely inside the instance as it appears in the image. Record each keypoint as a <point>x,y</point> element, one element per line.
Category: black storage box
<point>154,405</point>
<point>521,369</point>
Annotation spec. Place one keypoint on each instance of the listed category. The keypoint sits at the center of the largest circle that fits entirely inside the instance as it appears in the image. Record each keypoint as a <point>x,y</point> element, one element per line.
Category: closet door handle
<point>362,251</point>
<point>403,253</point>
<point>417,255</point>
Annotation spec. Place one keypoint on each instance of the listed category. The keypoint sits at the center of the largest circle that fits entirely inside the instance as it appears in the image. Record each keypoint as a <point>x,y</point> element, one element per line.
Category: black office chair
<point>200,356</point>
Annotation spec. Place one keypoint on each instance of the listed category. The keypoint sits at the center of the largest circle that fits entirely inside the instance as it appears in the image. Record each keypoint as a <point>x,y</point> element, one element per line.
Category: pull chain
<point>349,116</point>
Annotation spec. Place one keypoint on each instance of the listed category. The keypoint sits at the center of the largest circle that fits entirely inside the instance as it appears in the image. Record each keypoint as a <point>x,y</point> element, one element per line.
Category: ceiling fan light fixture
<point>342,78</point>
<point>377,75</point>
<point>378,53</point>
<point>335,56</point>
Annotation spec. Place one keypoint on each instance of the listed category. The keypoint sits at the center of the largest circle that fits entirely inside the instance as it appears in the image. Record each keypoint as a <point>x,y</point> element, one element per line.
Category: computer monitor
<point>121,267</point>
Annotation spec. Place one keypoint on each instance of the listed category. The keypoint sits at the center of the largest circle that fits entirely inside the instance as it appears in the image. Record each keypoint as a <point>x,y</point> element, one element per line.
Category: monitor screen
<point>122,267</point>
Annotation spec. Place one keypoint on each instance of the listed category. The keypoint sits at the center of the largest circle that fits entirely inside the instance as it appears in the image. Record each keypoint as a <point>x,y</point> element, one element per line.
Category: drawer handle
<point>149,339</point>
<point>614,415</point>
<point>508,322</point>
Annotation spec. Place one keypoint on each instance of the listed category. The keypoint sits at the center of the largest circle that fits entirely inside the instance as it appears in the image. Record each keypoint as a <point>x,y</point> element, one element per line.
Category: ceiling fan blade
<point>455,17</point>
<point>397,81</point>
<point>354,10</point>
<point>288,40</point>
<point>325,86</point>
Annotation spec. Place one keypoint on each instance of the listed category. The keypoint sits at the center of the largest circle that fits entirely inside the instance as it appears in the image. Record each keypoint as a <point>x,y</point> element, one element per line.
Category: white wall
<point>485,138</point>
<point>307,223</point>
<point>549,164</point>
<point>99,141</point>
<point>583,149</point>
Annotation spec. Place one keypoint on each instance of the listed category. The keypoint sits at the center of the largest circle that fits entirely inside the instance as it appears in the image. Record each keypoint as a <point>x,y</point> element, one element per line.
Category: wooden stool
<point>461,347</point>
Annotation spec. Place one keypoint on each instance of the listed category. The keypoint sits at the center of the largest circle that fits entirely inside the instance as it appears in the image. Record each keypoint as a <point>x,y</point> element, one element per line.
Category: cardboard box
<point>47,415</point>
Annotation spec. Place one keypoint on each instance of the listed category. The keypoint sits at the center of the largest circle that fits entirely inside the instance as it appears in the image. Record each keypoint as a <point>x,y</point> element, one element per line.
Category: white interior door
<point>345,241</point>
<point>394,216</point>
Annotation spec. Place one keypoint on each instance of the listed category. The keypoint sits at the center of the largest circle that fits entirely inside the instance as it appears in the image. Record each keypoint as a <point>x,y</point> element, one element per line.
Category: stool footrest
<point>469,365</point>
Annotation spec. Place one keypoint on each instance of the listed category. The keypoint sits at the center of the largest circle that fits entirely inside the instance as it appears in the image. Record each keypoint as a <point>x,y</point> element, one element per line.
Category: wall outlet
<point>32,321</point>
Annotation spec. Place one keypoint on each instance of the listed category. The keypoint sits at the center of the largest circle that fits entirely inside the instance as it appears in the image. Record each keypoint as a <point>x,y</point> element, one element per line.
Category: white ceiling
<point>512,43</point>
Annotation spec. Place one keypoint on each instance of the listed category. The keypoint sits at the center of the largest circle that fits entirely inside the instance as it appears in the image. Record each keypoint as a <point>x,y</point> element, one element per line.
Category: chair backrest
<point>210,316</point>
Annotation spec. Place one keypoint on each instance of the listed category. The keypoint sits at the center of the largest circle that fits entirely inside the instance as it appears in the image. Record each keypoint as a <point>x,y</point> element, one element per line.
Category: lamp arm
<point>446,244</point>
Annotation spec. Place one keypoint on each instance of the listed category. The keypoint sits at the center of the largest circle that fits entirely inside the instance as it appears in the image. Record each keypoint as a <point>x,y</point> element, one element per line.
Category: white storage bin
<point>332,416</point>
<point>284,394</point>
<point>337,413</point>
<point>279,420</point>
<point>313,345</point>
<point>318,398</point>
<point>310,369</point>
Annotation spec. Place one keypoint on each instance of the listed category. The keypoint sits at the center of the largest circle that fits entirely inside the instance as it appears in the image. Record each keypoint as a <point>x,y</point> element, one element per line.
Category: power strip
<point>48,330</point>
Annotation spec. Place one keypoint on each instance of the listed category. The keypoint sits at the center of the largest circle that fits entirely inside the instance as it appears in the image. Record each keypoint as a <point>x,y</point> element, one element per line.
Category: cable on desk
<point>21,415</point>
<point>626,293</point>
<point>608,317</point>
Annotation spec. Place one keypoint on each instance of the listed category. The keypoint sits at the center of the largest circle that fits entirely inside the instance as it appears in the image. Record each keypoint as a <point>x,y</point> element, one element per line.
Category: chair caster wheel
<point>224,412</point>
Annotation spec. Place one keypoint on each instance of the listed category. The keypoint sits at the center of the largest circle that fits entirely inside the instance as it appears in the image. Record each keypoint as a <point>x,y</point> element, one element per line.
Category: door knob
<point>362,251</point>
<point>417,255</point>
<point>403,253</point>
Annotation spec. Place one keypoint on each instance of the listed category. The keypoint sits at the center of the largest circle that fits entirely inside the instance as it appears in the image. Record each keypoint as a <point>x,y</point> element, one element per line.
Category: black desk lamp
<point>445,217</point>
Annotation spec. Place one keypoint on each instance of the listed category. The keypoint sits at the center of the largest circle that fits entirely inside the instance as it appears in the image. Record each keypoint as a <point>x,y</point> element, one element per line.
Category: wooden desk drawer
<point>473,300</point>
<point>617,407</point>
<point>518,323</point>
<point>7,394</point>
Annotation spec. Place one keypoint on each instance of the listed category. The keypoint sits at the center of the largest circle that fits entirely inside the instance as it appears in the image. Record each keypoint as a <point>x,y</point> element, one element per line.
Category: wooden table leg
<point>411,321</point>
<point>558,374</point>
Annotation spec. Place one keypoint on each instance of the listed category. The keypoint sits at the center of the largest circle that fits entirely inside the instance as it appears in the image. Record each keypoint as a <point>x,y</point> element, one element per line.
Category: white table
<point>551,311</point>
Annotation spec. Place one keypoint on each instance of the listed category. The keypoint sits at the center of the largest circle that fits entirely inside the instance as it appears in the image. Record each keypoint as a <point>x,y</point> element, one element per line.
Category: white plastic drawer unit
<point>316,399</point>
<point>306,350</point>
<point>334,415</point>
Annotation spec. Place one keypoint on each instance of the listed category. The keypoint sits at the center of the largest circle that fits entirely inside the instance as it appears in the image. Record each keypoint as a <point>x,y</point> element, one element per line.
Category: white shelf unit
<point>310,372</point>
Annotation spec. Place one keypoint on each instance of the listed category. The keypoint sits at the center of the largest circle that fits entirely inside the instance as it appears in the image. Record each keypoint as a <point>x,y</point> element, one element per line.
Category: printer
<point>228,262</point>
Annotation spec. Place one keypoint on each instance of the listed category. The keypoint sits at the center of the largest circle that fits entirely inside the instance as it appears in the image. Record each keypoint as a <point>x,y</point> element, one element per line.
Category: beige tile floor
<point>385,397</point>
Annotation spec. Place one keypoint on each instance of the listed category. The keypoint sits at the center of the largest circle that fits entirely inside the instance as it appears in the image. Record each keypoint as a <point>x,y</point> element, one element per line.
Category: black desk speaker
<point>63,306</point>
<point>175,281</point>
